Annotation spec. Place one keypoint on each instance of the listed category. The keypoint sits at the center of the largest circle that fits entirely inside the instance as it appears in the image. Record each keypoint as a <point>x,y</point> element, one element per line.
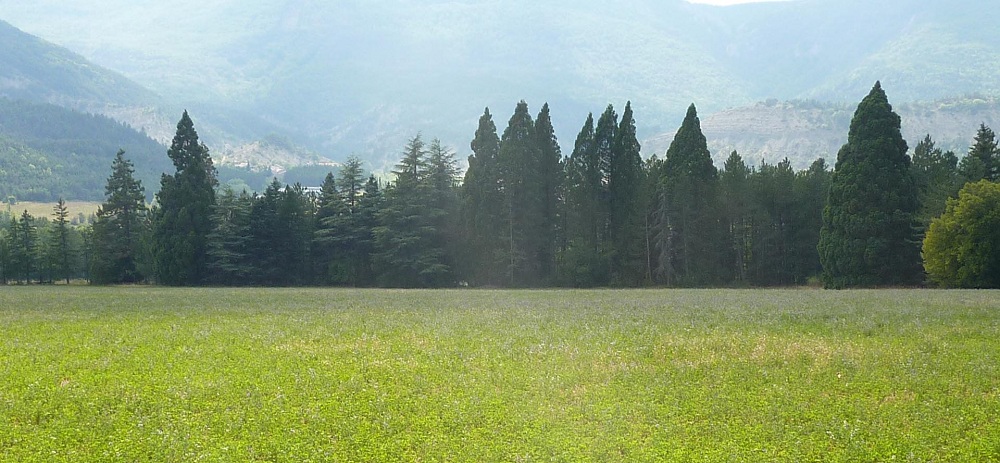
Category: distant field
<point>155,374</point>
<point>40,210</point>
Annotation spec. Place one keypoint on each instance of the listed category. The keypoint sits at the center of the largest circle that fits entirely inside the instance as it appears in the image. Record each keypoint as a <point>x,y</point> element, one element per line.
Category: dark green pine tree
<point>812,186</point>
<point>869,227</point>
<point>6,266</point>
<point>363,243</point>
<point>117,235</point>
<point>294,236</point>
<point>983,159</point>
<point>774,226</point>
<point>551,172</point>
<point>521,184</point>
<point>582,262</point>
<point>265,239</point>
<point>690,239</point>
<point>24,247</point>
<point>480,200</point>
<point>348,230</point>
<point>184,207</point>
<point>625,221</point>
<point>738,212</point>
<point>229,248</point>
<point>351,179</point>
<point>409,249</point>
<point>936,178</point>
<point>331,216</point>
<point>62,249</point>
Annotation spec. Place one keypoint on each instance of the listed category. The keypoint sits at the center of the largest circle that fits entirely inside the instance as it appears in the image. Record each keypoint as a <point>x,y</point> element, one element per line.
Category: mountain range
<point>332,79</point>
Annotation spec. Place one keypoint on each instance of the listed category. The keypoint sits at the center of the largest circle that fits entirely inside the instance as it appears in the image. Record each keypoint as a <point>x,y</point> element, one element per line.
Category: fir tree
<point>624,180</point>
<point>481,199</point>
<point>738,210</point>
<point>936,178</point>
<point>61,246</point>
<point>520,182</point>
<point>409,240</point>
<point>183,216</point>
<point>583,262</point>
<point>229,248</point>
<point>985,152</point>
<point>690,234</point>
<point>116,240</point>
<point>551,173</point>
<point>869,228</point>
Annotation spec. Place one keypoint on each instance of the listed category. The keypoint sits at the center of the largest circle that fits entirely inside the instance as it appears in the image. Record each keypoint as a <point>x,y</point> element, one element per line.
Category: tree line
<point>526,215</point>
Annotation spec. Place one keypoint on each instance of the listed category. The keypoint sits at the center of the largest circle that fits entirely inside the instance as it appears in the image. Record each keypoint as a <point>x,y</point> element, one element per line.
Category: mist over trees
<point>526,215</point>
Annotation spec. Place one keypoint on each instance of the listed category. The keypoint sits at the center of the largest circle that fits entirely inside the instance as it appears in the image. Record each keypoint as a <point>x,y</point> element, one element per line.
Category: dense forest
<point>525,214</point>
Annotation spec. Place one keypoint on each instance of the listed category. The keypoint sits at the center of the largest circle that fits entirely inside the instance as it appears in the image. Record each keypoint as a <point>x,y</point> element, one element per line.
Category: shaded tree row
<point>527,216</point>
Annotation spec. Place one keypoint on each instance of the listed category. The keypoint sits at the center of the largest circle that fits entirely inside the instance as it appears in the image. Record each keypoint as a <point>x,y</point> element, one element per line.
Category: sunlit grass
<point>153,374</point>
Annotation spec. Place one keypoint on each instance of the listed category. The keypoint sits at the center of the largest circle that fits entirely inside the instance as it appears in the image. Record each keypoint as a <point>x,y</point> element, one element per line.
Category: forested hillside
<point>48,152</point>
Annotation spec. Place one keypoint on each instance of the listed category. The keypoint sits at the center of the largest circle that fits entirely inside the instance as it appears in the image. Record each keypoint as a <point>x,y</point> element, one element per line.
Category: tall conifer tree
<point>624,180</point>
<point>183,216</point>
<point>690,233</point>
<point>520,180</point>
<point>481,199</point>
<point>869,228</point>
<point>117,236</point>
<point>551,172</point>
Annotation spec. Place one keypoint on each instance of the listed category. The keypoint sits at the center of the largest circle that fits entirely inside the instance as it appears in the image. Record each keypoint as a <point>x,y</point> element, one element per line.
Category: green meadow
<point>158,374</point>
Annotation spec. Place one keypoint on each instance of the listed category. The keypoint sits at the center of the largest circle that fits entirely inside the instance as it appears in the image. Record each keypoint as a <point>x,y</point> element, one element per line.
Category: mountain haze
<point>360,77</point>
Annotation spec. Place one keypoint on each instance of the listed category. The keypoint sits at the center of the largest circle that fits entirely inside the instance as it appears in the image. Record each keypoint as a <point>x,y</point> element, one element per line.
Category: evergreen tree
<point>936,178</point>
<point>61,245</point>
<point>409,249</point>
<point>352,183</point>
<point>812,187</point>
<point>293,236</point>
<point>265,239</point>
<point>624,180</point>
<point>551,173</point>
<point>116,238</point>
<point>738,212</point>
<point>690,236</point>
<point>330,220</point>
<point>583,262</point>
<point>183,217</point>
<point>24,247</point>
<point>521,184</point>
<point>363,238</point>
<point>229,248</point>
<point>985,152</point>
<point>773,187</point>
<point>869,229</point>
<point>5,256</point>
<point>481,199</point>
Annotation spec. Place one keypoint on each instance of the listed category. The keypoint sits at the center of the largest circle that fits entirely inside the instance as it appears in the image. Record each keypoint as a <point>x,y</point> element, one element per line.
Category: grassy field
<point>39,210</point>
<point>155,374</point>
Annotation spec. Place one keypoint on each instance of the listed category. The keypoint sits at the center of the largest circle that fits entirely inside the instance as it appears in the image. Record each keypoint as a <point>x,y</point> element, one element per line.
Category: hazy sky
<point>730,2</point>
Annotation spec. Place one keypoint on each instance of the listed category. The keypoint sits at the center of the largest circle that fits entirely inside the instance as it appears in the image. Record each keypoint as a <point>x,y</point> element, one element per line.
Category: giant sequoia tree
<point>868,236</point>
<point>182,220</point>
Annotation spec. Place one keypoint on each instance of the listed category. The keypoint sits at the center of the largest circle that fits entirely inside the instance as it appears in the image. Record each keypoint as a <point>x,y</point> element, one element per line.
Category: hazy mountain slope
<point>360,77</point>
<point>51,152</point>
<point>803,131</point>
